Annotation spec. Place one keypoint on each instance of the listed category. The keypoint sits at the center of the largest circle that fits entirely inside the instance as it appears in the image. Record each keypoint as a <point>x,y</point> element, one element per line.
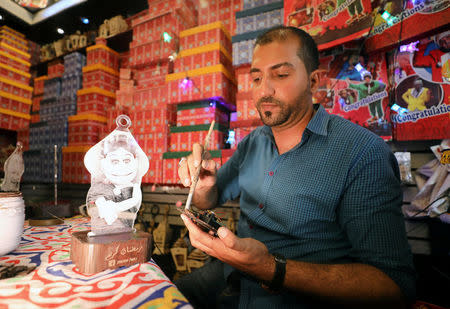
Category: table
<point>56,282</point>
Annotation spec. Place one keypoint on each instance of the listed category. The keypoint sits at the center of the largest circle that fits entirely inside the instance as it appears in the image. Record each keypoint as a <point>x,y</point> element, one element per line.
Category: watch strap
<point>280,272</point>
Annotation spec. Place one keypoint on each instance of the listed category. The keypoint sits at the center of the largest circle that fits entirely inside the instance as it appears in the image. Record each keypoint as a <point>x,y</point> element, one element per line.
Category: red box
<point>14,37</point>
<point>183,141</point>
<point>223,10</point>
<point>125,73</point>
<point>39,84</point>
<point>154,143</point>
<point>154,174</point>
<point>215,84</point>
<point>85,129</point>
<point>151,52</point>
<point>246,110</point>
<point>5,47</point>
<point>243,128</point>
<point>95,100</point>
<point>101,54</point>
<point>203,59</point>
<point>11,73</point>
<point>10,122</point>
<point>14,88</point>
<point>15,104</point>
<point>14,43</point>
<point>23,136</point>
<point>124,60</point>
<point>35,118</point>
<point>15,62</point>
<point>55,70</point>
<point>152,75</point>
<point>155,97</point>
<point>101,79</point>
<point>36,103</point>
<point>243,77</point>
<point>226,155</point>
<point>204,35</point>
<point>153,120</point>
<point>73,169</point>
<point>195,116</point>
<point>124,98</point>
<point>112,114</point>
<point>170,170</point>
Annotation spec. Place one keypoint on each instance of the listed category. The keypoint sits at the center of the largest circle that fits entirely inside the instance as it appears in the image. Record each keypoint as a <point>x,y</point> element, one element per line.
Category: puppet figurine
<point>117,165</point>
<point>14,168</point>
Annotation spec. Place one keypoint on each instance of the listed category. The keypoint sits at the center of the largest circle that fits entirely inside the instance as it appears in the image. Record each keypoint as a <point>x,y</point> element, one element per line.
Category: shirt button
<point>271,173</point>
<point>261,206</point>
<point>250,226</point>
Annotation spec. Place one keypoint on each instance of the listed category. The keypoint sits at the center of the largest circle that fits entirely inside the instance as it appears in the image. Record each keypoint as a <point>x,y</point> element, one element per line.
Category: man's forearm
<point>205,198</point>
<point>346,284</point>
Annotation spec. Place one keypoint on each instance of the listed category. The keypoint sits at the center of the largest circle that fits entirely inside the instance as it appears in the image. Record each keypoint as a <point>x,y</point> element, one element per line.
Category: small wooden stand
<point>95,254</point>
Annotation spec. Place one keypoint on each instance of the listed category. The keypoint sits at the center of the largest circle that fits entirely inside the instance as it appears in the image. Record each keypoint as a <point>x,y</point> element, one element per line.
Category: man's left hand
<point>246,254</point>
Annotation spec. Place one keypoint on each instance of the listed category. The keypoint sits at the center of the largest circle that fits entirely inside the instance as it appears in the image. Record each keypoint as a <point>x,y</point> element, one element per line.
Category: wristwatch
<point>280,271</point>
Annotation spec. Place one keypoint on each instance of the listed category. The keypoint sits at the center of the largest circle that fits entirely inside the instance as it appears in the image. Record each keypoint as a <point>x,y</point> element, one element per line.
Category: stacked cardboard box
<point>256,17</point>
<point>219,10</point>
<point>15,92</point>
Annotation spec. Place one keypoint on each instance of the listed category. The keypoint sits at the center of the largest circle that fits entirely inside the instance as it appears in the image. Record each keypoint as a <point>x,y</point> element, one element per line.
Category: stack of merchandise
<point>247,117</point>
<point>37,98</point>
<point>35,52</point>
<point>100,81</point>
<point>15,93</point>
<point>256,17</point>
<point>219,10</point>
<point>57,104</point>
<point>143,89</point>
<point>203,89</point>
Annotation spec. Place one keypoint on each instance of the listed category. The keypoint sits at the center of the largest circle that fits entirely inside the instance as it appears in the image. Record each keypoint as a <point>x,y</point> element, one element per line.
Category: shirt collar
<point>318,123</point>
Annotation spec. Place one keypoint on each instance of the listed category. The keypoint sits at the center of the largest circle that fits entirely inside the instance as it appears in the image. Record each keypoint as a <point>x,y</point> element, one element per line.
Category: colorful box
<point>205,35</point>
<point>52,88</point>
<point>5,47</point>
<point>11,120</point>
<point>245,109</point>
<point>15,62</point>
<point>73,169</point>
<point>23,136</point>
<point>84,129</point>
<point>243,128</point>
<point>15,103</point>
<point>112,114</point>
<point>95,100</point>
<point>155,172</point>
<point>204,56</point>
<point>35,117</point>
<point>11,73</point>
<point>100,76</point>
<point>152,75</point>
<point>195,85</point>
<point>55,70</point>
<point>202,112</point>
<point>39,83</point>
<point>170,164</point>
<point>182,138</point>
<point>36,103</point>
<point>223,10</point>
<point>101,54</point>
<point>153,120</point>
<point>150,98</point>
<point>151,53</point>
<point>125,98</point>
<point>74,63</point>
<point>262,17</point>
<point>243,77</point>
<point>15,88</point>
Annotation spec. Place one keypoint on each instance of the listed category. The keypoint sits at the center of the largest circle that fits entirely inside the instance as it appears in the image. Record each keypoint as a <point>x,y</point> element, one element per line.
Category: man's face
<point>367,79</point>
<point>344,93</point>
<point>119,166</point>
<point>418,86</point>
<point>280,84</point>
<point>444,43</point>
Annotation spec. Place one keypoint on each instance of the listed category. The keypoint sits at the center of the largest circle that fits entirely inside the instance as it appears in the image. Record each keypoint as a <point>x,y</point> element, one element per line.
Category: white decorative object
<point>12,217</point>
<point>13,168</point>
<point>117,165</point>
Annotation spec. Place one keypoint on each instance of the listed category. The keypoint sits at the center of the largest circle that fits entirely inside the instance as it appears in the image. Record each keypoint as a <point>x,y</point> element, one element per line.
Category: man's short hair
<point>418,82</point>
<point>307,50</point>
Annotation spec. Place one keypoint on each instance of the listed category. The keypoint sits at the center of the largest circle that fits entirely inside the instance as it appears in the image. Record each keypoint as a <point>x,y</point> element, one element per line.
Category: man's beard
<point>268,118</point>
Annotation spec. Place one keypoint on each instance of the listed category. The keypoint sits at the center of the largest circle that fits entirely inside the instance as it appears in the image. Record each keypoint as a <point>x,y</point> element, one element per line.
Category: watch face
<point>279,258</point>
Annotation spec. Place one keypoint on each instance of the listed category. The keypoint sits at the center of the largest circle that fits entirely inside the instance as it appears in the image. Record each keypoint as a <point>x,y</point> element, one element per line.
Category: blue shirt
<point>334,198</point>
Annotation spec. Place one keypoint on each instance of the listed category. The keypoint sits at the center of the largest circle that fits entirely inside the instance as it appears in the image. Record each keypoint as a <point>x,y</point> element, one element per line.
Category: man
<point>417,97</point>
<point>368,88</point>
<point>349,70</point>
<point>320,199</point>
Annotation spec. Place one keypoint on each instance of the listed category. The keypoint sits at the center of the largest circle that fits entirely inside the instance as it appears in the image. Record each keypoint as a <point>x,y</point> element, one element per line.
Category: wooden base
<point>95,254</point>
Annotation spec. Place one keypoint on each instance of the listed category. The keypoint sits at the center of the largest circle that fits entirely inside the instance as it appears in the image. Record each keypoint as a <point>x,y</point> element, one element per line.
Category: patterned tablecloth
<point>56,282</point>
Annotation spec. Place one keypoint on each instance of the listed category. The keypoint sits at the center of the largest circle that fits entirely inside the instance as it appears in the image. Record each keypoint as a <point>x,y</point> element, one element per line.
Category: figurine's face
<point>120,166</point>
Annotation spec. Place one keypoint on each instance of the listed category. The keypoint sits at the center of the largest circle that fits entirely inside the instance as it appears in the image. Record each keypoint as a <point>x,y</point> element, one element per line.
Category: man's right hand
<point>187,169</point>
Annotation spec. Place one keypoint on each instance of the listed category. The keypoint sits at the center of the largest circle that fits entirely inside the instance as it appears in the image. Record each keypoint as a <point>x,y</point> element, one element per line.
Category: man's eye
<point>126,161</point>
<point>282,75</point>
<point>256,79</point>
<point>115,162</point>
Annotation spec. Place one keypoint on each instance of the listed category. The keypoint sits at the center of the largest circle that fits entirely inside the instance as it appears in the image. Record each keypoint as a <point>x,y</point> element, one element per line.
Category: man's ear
<point>314,80</point>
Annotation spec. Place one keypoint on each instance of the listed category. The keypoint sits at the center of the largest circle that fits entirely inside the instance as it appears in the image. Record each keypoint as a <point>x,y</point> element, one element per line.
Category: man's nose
<point>267,88</point>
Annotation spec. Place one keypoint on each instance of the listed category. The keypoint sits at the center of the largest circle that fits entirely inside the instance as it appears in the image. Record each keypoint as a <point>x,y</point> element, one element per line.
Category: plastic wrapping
<point>404,164</point>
